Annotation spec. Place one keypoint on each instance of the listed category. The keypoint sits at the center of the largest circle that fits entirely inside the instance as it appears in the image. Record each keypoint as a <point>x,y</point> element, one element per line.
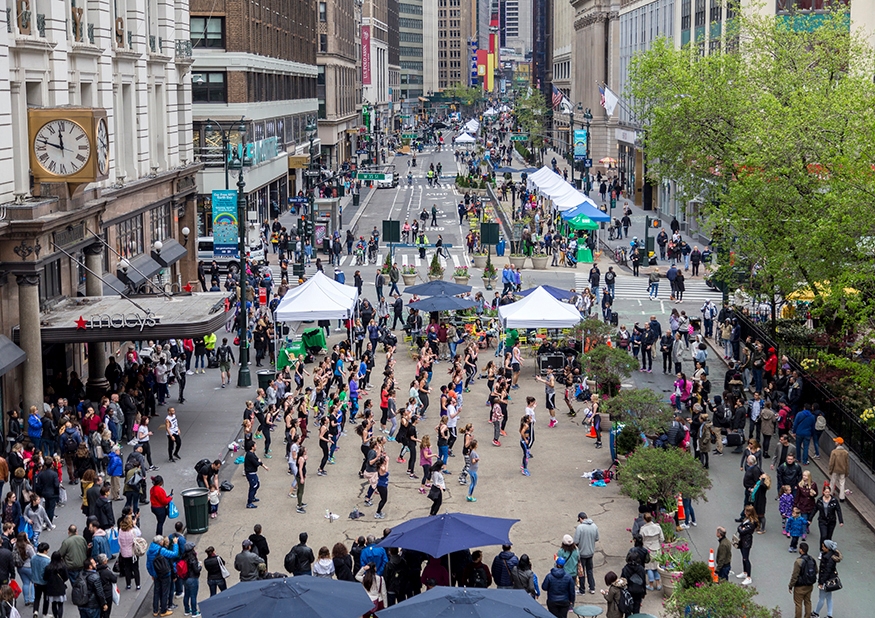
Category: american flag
<point>602,95</point>
<point>557,97</point>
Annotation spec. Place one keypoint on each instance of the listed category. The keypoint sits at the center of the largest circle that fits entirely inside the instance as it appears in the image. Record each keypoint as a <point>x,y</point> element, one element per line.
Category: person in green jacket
<point>74,551</point>
<point>394,276</point>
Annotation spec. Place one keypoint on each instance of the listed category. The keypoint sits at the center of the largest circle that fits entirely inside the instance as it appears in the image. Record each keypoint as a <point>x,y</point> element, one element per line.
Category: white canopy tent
<point>472,126</point>
<point>319,298</point>
<point>538,310</point>
<point>464,138</point>
<point>490,112</point>
<point>564,196</point>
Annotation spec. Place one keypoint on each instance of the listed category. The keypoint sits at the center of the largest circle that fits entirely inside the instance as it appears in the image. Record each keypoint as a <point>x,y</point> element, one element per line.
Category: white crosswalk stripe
<point>628,287</point>
<point>413,259</point>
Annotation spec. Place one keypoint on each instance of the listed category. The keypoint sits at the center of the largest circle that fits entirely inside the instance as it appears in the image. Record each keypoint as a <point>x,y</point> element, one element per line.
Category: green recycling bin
<point>196,504</point>
<point>355,199</point>
<point>265,377</point>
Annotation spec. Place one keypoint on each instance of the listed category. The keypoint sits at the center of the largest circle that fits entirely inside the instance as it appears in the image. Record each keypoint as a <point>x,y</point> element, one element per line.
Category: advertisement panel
<point>579,144</point>
<point>225,236</point>
<point>366,55</point>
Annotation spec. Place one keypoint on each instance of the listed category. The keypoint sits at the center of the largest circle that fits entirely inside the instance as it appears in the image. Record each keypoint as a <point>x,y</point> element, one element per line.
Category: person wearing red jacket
<point>771,366</point>
<point>160,500</point>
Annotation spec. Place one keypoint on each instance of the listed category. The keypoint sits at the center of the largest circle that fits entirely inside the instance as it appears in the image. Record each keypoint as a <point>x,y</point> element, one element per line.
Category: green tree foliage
<point>663,473</point>
<point>776,135</point>
<point>641,408</point>
<point>608,366</point>
<point>722,600</point>
<point>467,96</point>
<point>531,113</point>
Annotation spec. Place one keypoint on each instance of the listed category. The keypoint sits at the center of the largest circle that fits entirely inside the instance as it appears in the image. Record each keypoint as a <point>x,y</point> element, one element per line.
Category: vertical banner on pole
<point>366,55</point>
<point>579,144</point>
<point>225,232</point>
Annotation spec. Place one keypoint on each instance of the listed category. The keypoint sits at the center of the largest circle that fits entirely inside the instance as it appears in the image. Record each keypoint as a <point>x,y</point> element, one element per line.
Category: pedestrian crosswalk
<point>411,258</point>
<point>628,287</point>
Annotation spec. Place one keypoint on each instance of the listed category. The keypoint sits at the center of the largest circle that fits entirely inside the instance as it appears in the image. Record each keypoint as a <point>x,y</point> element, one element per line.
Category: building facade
<point>542,47</point>
<point>67,68</point>
<point>375,62</point>
<point>455,26</point>
<point>411,41</point>
<point>518,25</point>
<point>337,79</point>
<point>563,33</point>
<point>246,54</point>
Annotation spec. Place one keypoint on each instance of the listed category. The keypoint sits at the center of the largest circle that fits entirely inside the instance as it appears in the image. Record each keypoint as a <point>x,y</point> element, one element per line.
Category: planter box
<point>480,261</point>
<point>461,280</point>
<point>540,262</point>
<point>667,580</point>
<point>435,277</point>
<point>409,279</point>
<point>519,261</point>
<point>487,283</point>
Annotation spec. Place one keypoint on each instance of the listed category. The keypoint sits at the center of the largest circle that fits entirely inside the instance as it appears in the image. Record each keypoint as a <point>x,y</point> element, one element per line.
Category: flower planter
<point>432,277</point>
<point>487,283</point>
<point>669,580</point>
<point>519,261</point>
<point>409,279</point>
<point>461,280</point>
<point>539,262</point>
<point>480,261</point>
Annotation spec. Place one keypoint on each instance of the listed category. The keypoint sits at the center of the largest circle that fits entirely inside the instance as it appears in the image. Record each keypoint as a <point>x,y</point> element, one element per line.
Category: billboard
<point>366,55</point>
<point>579,144</point>
<point>225,235</point>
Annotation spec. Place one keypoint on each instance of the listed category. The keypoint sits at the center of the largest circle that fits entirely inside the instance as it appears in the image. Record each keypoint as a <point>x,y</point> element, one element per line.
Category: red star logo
<point>187,287</point>
<point>80,323</point>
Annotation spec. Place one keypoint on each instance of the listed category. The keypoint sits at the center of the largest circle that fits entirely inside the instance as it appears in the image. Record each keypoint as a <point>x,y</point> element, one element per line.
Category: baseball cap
<point>560,561</point>
<point>567,540</point>
<point>581,515</point>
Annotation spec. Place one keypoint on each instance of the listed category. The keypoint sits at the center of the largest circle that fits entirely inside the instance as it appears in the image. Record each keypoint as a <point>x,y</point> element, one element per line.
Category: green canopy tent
<point>582,222</point>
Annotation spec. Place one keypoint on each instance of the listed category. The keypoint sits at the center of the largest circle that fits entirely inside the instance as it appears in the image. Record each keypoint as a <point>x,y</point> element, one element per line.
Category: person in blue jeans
<point>191,581</point>
<point>251,464</point>
<point>803,429</point>
<point>473,468</point>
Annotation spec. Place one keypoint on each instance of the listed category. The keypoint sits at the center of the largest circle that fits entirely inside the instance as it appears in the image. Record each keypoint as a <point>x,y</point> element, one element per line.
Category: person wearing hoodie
<point>99,542</point>
<point>115,470</point>
<point>633,574</point>
<point>324,565</point>
<point>108,579</point>
<point>585,537</point>
<point>524,578</point>
<point>612,595</point>
<point>502,567</point>
<point>803,429</point>
<point>560,590</point>
<point>829,558</point>
<point>159,561</point>
<point>372,554</point>
<point>38,566</point>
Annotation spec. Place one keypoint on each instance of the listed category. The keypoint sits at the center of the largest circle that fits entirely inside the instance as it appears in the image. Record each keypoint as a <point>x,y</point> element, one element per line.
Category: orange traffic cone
<point>681,513</point>
<point>592,433</point>
<point>609,343</point>
<point>712,565</point>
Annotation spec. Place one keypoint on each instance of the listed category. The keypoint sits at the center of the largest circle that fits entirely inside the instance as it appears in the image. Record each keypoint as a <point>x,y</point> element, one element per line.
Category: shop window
<point>159,222</point>
<point>209,87</point>
<point>129,237</point>
<point>50,281</point>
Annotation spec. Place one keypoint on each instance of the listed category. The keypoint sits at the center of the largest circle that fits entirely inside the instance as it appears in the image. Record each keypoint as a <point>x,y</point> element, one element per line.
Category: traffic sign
<point>587,163</point>
<point>312,172</point>
<point>519,137</point>
<point>370,176</point>
<point>362,151</point>
<point>409,136</point>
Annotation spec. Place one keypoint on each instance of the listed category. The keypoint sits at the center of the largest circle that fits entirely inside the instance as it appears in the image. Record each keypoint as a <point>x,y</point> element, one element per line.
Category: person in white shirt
<point>162,370</point>
<point>531,403</point>
<point>453,412</point>
<point>174,440</point>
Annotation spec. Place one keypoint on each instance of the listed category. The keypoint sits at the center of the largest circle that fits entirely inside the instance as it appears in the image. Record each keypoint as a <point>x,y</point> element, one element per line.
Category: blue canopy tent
<point>587,209</point>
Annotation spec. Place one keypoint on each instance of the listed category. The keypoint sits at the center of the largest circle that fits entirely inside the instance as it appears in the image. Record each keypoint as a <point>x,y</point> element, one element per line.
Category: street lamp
<point>571,137</point>
<point>587,116</point>
<point>226,142</point>
<point>244,379</point>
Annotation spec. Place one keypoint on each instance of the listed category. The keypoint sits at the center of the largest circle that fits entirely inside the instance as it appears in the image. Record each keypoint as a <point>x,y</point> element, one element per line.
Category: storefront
<point>630,163</point>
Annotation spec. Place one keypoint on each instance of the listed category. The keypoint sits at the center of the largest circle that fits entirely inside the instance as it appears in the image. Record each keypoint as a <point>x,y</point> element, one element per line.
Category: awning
<point>11,356</point>
<point>141,269</point>
<point>171,253</point>
<point>94,319</point>
<point>112,285</point>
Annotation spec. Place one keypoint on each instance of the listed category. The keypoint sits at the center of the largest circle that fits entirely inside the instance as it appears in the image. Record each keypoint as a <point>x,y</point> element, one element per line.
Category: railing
<point>841,420</point>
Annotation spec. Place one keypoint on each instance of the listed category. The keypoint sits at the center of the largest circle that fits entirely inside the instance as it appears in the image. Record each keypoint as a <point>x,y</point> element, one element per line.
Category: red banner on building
<point>366,55</point>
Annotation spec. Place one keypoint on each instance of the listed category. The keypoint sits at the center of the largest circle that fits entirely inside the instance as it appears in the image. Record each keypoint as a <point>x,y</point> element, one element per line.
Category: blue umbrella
<point>439,286</point>
<point>443,601</point>
<point>441,535</point>
<point>302,597</point>
<point>557,293</point>
<point>442,302</point>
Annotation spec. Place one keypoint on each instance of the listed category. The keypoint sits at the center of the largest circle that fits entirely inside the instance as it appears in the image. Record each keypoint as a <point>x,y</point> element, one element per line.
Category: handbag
<point>16,588</point>
<point>833,584</point>
<point>172,511</point>
<point>378,604</point>
<point>735,540</point>
<point>24,526</point>
<point>222,569</point>
<point>580,571</point>
<point>434,493</point>
<point>62,495</point>
<point>116,597</point>
<point>112,537</point>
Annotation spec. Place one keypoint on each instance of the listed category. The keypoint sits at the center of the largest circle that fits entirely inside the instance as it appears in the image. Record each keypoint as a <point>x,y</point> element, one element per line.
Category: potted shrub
<point>518,260</point>
<point>408,273</point>
<point>387,264</point>
<point>642,409</point>
<point>610,365</point>
<point>720,600</point>
<point>460,275</point>
<point>435,270</point>
<point>480,259</point>
<point>489,273</point>
<point>539,261</point>
<point>671,562</point>
<point>627,440</point>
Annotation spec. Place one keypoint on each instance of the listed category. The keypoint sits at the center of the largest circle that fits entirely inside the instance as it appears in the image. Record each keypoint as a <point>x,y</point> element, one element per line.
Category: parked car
<point>257,253</point>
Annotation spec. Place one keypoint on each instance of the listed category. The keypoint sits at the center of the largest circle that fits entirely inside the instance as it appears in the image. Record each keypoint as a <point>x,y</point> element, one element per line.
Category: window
<point>716,12</point>
<point>323,12</point>
<point>159,222</point>
<point>129,237</point>
<point>323,43</point>
<point>208,88</point>
<point>700,13</point>
<point>50,282</point>
<point>686,7</point>
<point>208,32</point>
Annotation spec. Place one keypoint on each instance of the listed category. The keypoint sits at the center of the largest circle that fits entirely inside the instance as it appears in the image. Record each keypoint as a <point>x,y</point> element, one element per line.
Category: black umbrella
<point>301,597</point>
<point>445,602</point>
<point>439,286</point>
<point>442,302</point>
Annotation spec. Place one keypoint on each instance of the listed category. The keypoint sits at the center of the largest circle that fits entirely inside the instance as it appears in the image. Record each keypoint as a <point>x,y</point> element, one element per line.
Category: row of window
<point>212,87</point>
<point>410,65</point>
<point>409,9</point>
<point>410,52</point>
<point>410,37</point>
<point>129,236</point>
<point>412,24</point>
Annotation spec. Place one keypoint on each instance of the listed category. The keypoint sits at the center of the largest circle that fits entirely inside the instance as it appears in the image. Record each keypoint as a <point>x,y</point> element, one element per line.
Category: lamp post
<point>312,131</point>
<point>244,379</point>
<point>226,143</point>
<point>587,117</point>
<point>571,138</point>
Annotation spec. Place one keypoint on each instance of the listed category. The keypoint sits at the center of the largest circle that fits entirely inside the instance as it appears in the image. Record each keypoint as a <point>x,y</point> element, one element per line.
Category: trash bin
<point>355,199</point>
<point>265,377</point>
<point>196,504</point>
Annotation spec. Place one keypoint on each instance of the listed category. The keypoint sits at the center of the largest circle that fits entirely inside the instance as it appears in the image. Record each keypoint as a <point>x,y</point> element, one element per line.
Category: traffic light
<point>309,228</point>
<point>302,224</point>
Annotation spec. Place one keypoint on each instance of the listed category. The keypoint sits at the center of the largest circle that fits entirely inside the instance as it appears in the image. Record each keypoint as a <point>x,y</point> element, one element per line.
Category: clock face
<point>62,147</point>
<point>102,147</point>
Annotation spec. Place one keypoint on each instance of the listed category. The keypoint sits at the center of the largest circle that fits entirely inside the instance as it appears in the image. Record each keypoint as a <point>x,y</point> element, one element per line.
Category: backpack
<point>807,572</point>
<point>290,563</point>
<point>70,443</point>
<point>79,591</point>
<point>160,565</point>
<point>820,423</point>
<point>182,569</point>
<point>222,354</point>
<point>141,546</point>
<point>625,602</point>
<point>201,466</point>
<point>477,579</point>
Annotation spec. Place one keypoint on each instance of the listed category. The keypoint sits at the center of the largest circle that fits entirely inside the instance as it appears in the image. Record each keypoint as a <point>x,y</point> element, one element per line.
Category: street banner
<point>366,55</point>
<point>225,234</point>
<point>579,144</point>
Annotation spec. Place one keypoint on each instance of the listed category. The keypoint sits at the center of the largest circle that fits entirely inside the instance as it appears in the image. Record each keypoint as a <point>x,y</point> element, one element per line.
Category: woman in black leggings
<point>424,390</point>
<point>324,444</point>
<point>364,432</point>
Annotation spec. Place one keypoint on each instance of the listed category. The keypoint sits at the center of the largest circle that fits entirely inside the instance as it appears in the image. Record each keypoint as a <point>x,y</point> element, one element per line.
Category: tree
<point>642,408</point>
<point>776,135</point>
<point>662,474</point>
<point>530,114</point>
<point>467,96</point>
<point>608,366</point>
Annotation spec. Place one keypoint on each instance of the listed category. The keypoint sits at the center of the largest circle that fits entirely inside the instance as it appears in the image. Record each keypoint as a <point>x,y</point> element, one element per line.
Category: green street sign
<point>409,136</point>
<point>405,115</point>
<point>519,137</point>
<point>370,176</point>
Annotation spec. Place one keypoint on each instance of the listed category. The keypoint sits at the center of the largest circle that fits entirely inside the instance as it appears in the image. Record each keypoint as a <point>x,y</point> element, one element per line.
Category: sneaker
<point>190,372</point>
<point>195,614</point>
<point>300,510</point>
<point>186,613</point>
<point>526,473</point>
<point>503,433</point>
<point>792,550</point>
<point>683,526</point>
<point>746,582</point>
<point>694,524</point>
<point>368,503</point>
<point>741,575</point>
<point>471,499</point>
<point>251,506</point>
<point>169,612</point>
<point>379,516</point>
<point>592,591</point>
<point>400,460</point>
<point>496,443</point>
